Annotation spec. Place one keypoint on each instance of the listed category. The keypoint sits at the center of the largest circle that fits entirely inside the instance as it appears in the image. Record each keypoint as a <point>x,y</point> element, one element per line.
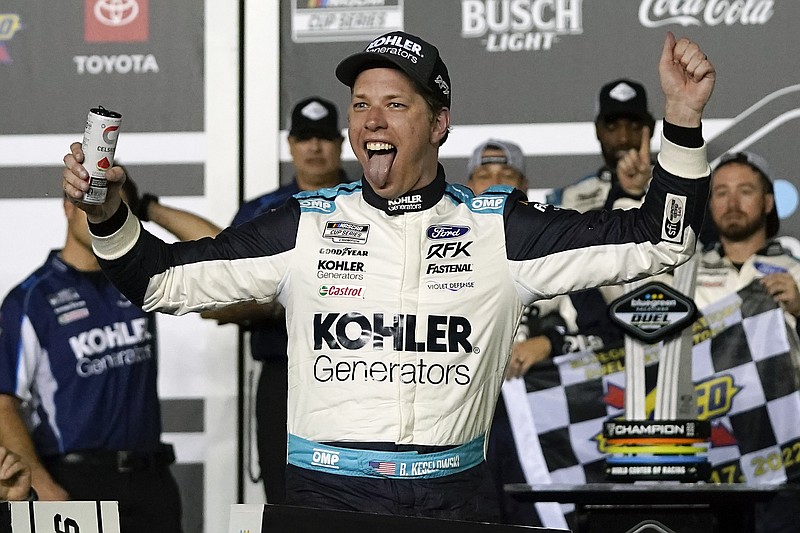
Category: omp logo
<point>487,203</point>
<point>445,231</point>
<point>655,13</point>
<point>520,25</point>
<point>9,25</point>
<point>325,458</point>
<point>116,21</point>
<point>318,205</point>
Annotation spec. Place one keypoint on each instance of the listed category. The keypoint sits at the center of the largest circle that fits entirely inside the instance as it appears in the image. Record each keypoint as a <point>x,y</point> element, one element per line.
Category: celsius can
<point>99,143</point>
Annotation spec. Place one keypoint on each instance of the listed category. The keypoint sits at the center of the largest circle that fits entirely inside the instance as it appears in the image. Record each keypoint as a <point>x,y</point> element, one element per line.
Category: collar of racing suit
<point>412,201</point>
<point>715,256</point>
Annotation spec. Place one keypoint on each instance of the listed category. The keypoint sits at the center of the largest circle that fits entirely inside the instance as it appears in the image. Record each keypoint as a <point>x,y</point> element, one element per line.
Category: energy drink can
<point>99,144</point>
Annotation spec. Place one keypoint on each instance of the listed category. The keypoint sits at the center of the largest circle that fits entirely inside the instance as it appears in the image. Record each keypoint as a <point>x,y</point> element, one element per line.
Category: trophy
<point>672,445</point>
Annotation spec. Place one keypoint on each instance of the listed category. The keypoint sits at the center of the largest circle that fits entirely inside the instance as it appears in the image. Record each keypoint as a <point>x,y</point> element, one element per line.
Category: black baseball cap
<point>760,165</point>
<point>315,117</point>
<point>623,98</point>
<point>418,59</point>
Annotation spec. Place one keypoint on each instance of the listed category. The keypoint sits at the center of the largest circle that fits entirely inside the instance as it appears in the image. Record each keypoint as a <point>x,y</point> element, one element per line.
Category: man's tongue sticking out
<point>381,156</point>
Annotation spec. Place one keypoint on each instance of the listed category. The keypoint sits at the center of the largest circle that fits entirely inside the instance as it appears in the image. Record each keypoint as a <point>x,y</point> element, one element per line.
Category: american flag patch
<point>383,467</point>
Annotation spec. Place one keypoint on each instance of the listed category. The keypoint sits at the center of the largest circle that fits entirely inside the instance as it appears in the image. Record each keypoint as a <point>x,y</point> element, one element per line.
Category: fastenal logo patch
<point>341,291</point>
<point>346,232</point>
<point>125,21</point>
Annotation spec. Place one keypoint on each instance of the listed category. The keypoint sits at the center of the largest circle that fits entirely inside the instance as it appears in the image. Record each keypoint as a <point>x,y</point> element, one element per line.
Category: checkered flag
<point>744,383</point>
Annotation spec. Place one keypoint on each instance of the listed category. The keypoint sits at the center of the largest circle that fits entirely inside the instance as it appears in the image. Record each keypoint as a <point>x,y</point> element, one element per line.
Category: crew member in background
<point>623,124</point>
<point>78,378</point>
<point>743,212</point>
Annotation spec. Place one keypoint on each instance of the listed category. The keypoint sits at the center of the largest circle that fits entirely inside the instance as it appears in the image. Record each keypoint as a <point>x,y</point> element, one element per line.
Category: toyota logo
<point>116,12</point>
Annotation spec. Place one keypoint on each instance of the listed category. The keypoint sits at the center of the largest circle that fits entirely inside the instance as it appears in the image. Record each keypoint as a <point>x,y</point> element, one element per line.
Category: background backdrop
<point>206,89</point>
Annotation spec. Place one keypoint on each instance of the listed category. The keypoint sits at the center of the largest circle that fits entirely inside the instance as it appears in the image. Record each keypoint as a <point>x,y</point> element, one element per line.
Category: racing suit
<point>401,313</point>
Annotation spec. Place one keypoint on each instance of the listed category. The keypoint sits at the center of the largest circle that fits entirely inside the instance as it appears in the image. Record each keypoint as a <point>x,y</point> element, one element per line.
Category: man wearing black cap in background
<point>624,127</point>
<point>742,207</point>
<point>315,144</point>
<point>402,291</point>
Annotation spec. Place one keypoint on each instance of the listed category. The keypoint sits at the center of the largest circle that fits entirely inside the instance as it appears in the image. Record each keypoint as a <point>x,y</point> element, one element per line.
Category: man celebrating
<point>623,126</point>
<point>402,291</point>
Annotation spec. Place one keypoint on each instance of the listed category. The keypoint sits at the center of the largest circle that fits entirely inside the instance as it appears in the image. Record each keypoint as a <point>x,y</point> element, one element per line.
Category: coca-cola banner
<point>529,71</point>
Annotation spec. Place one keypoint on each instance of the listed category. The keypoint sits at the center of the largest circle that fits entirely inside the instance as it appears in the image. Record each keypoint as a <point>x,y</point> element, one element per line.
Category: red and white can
<point>99,144</point>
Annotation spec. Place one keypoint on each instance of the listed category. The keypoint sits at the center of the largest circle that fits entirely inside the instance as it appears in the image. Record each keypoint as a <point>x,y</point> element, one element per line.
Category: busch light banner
<point>743,392</point>
<point>529,71</point>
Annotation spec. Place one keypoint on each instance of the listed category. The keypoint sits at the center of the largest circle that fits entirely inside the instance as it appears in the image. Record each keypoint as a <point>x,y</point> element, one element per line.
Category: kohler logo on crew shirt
<point>352,331</point>
<point>110,337</point>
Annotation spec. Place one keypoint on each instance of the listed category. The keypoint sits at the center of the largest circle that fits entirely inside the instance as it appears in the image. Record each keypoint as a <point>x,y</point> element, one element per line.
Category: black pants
<point>148,499</point>
<point>271,428</point>
<point>468,495</point>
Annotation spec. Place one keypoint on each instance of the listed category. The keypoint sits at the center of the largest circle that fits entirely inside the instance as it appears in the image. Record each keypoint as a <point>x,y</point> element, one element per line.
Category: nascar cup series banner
<point>529,71</point>
<point>740,361</point>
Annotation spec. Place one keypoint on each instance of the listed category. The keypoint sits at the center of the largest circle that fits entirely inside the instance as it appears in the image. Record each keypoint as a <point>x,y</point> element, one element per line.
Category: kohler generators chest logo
<point>653,312</point>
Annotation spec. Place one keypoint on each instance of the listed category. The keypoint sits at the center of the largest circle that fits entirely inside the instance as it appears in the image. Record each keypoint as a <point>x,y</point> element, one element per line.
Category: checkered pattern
<point>743,376</point>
